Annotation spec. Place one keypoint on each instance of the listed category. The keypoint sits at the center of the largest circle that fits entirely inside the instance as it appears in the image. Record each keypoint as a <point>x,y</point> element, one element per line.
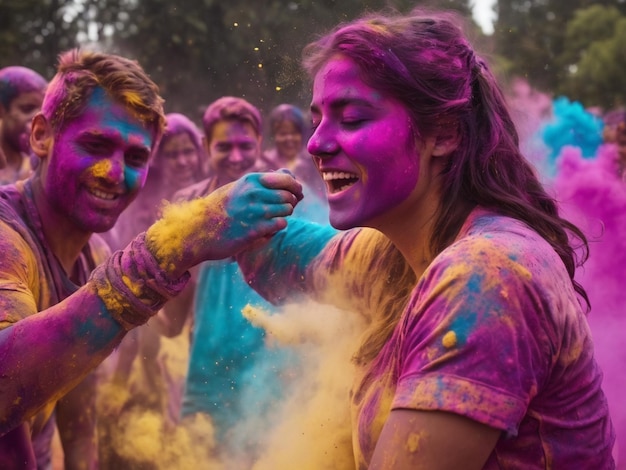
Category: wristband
<point>132,285</point>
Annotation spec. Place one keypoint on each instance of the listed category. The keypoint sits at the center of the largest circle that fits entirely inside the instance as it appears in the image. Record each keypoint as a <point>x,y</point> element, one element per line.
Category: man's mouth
<point>103,194</point>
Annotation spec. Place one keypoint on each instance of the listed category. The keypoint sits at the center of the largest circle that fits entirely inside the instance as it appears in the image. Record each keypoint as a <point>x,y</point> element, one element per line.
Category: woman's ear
<point>41,136</point>
<point>446,141</point>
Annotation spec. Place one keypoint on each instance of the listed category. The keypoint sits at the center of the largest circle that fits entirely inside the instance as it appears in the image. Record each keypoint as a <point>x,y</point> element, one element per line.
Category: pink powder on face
<point>358,132</point>
<point>99,162</point>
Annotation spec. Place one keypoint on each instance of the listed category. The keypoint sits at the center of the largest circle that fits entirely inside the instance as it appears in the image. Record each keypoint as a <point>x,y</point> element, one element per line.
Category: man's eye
<point>28,109</point>
<point>137,159</point>
<point>95,148</point>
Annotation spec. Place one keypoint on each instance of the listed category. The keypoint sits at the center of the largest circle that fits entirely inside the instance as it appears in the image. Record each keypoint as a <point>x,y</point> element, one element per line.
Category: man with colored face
<point>21,94</point>
<point>65,304</point>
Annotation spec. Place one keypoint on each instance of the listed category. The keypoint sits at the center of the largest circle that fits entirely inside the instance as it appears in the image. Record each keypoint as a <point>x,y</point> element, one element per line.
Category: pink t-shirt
<point>493,331</point>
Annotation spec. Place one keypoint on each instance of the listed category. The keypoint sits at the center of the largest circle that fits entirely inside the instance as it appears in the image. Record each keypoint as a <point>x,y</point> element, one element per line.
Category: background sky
<point>484,15</point>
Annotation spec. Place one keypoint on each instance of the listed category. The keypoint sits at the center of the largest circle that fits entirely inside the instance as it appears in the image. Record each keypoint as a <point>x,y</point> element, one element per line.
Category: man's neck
<point>62,236</point>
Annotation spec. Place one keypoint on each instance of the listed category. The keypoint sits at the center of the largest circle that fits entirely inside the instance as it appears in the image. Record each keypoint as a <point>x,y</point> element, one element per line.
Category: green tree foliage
<point>596,57</point>
<point>195,50</point>
<point>203,49</point>
<point>530,34</point>
<point>34,32</point>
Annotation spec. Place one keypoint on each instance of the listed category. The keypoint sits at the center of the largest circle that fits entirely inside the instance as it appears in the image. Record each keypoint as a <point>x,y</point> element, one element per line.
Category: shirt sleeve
<point>357,270</point>
<point>280,271</point>
<point>18,272</point>
<point>477,340</point>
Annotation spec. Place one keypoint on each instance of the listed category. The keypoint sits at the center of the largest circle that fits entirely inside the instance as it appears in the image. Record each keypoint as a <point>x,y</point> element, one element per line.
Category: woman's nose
<point>323,142</point>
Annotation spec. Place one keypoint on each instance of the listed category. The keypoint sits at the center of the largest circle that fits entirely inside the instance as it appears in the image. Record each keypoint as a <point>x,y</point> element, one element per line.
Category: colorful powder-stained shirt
<point>492,331</point>
<point>32,280</point>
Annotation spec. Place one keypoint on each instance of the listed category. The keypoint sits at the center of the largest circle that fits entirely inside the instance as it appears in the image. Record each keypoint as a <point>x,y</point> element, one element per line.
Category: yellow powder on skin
<point>449,340</point>
<point>110,297</point>
<point>413,442</point>
<point>171,236</point>
<point>101,168</point>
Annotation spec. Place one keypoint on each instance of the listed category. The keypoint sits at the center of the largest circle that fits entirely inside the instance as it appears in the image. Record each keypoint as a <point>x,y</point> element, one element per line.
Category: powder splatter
<point>101,168</point>
<point>413,441</point>
<point>178,222</point>
<point>449,340</point>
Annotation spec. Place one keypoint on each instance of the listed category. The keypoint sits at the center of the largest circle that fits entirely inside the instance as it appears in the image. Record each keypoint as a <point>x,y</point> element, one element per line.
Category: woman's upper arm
<point>434,440</point>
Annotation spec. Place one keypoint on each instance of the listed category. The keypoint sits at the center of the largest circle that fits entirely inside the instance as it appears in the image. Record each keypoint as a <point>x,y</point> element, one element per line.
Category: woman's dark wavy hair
<point>424,60</point>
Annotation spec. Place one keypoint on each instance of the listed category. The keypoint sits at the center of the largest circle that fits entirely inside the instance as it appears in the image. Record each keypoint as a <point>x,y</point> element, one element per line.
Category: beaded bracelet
<point>133,286</point>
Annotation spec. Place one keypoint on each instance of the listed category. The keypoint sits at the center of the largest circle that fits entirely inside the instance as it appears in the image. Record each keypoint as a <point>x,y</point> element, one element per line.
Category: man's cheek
<point>135,178</point>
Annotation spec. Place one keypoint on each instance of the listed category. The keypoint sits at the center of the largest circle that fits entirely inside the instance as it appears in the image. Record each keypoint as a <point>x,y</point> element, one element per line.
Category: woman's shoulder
<point>485,232</point>
<point>495,246</point>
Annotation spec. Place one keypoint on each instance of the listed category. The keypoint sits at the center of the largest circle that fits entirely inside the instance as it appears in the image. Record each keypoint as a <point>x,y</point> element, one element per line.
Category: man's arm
<point>45,355</point>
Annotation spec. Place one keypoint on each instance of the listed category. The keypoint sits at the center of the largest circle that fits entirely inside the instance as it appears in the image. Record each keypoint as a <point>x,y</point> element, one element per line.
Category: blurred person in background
<point>288,134</point>
<point>228,359</point>
<point>21,95</point>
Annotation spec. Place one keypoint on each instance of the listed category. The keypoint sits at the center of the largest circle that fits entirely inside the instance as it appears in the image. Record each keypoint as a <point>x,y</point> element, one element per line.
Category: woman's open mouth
<point>338,181</point>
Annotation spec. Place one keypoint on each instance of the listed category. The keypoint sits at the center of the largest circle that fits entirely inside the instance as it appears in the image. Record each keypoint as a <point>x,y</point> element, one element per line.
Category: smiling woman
<point>476,333</point>
<point>356,133</point>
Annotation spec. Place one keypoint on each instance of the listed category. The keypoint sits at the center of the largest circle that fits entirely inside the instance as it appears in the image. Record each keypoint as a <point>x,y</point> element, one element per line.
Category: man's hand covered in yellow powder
<point>224,222</point>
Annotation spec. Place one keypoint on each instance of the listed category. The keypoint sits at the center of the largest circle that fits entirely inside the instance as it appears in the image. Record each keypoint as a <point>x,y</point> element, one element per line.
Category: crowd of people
<point>409,206</point>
